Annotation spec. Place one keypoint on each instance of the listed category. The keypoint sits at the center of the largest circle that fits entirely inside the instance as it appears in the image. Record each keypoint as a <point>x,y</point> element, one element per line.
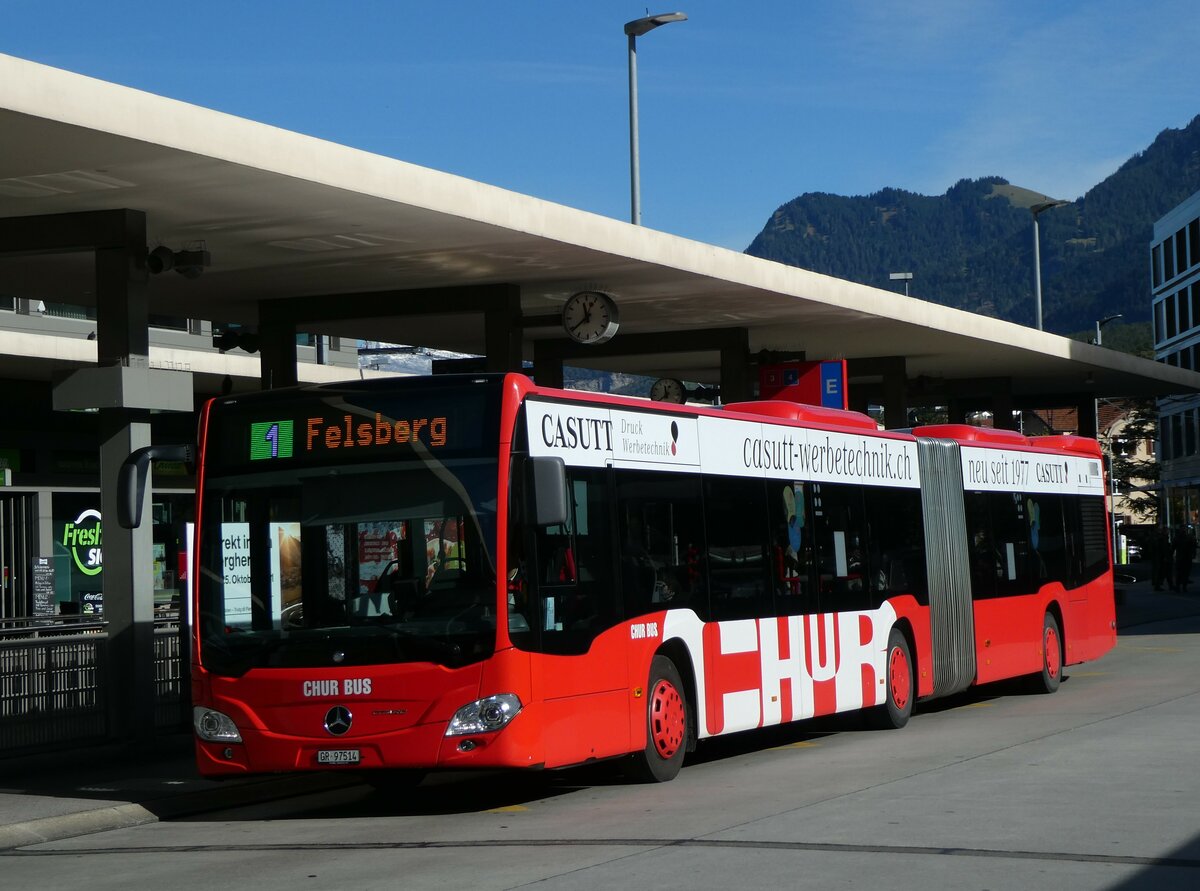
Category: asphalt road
<point>1096,786</point>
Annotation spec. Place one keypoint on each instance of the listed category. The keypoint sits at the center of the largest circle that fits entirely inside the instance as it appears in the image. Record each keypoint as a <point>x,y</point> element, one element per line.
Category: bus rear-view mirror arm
<point>131,479</point>
<point>549,475</point>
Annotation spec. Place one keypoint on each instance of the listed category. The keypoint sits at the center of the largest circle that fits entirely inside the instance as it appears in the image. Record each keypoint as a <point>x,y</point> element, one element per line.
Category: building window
<point>1194,241</point>
<point>1169,309</point>
<point>1168,248</point>
<point>1156,265</point>
<point>1181,255</point>
<point>1185,319</point>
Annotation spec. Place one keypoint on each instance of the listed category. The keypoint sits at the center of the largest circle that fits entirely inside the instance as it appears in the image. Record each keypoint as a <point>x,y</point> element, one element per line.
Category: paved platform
<point>67,794</point>
<point>73,793</point>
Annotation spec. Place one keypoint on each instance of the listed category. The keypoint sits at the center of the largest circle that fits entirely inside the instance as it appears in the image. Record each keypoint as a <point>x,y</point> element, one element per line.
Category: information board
<point>43,587</point>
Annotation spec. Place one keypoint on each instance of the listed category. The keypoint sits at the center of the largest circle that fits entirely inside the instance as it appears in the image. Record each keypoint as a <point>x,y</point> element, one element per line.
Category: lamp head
<point>1043,206</point>
<point>638,27</point>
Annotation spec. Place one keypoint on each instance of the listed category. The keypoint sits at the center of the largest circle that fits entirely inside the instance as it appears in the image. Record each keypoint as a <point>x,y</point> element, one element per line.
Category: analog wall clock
<point>590,317</point>
<point>668,389</point>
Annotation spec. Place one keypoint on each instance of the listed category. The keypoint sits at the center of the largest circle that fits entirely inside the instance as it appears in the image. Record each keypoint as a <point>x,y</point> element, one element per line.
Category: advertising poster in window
<point>285,570</point>
<point>235,565</point>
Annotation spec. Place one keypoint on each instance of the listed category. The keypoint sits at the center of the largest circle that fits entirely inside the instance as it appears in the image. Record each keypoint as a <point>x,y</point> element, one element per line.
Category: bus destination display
<point>276,439</point>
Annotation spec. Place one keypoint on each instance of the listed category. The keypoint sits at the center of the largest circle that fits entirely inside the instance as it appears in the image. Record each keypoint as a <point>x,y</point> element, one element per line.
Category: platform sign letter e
<point>270,439</point>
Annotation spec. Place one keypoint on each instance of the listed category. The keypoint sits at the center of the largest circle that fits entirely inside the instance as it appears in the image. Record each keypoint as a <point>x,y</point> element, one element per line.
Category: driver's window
<point>576,598</point>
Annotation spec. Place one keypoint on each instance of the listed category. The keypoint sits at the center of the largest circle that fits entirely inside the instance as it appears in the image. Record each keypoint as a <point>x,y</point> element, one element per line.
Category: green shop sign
<point>82,539</point>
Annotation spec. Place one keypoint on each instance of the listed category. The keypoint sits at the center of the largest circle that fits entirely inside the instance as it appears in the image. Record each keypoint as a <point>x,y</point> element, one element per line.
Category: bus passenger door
<point>583,677</point>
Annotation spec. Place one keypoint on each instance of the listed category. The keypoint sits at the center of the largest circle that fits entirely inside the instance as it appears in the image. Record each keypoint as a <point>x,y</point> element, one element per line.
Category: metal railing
<point>53,683</point>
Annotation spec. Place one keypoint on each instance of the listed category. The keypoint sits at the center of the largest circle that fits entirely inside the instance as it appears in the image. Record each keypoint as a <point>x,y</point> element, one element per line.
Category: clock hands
<point>590,317</point>
<point>587,315</point>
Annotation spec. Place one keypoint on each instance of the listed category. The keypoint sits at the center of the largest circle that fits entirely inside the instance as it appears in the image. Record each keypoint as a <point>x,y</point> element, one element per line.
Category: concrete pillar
<point>276,347</point>
<point>1086,410</point>
<point>956,410</point>
<point>122,338</point>
<point>736,385</point>
<point>895,394</point>
<point>547,363</point>
<point>1002,410</point>
<point>502,331</point>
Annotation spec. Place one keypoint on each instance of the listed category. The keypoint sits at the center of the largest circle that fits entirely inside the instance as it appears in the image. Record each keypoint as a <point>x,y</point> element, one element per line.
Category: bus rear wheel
<point>667,722</point>
<point>1052,657</point>
<point>899,686</point>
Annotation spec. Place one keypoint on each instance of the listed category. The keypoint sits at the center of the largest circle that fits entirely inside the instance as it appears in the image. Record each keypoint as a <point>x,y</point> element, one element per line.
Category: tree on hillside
<point>1135,468</point>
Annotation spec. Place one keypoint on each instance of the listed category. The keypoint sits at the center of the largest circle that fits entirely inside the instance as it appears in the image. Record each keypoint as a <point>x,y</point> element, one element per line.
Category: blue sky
<point>742,107</point>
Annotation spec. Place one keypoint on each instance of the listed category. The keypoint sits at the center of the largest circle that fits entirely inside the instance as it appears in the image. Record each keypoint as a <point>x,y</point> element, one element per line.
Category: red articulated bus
<point>477,572</point>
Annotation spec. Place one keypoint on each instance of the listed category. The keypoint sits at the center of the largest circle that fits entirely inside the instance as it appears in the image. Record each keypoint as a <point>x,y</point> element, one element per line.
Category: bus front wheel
<point>666,725</point>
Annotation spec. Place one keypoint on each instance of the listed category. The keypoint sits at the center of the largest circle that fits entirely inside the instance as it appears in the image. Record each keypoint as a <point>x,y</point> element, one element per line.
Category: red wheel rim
<point>899,677</point>
<point>1053,653</point>
<point>668,719</point>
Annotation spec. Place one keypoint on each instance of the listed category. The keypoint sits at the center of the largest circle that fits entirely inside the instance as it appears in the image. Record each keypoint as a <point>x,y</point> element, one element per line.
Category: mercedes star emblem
<point>337,720</point>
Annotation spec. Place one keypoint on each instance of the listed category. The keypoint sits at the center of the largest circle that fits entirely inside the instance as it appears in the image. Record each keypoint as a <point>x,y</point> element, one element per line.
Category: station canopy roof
<point>286,215</point>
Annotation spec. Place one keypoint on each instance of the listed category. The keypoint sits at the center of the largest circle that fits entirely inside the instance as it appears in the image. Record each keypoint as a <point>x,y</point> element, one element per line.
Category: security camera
<point>189,264</point>
<point>160,259</point>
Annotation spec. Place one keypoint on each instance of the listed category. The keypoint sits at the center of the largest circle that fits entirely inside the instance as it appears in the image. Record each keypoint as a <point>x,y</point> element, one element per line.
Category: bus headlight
<point>484,715</point>
<point>212,726</point>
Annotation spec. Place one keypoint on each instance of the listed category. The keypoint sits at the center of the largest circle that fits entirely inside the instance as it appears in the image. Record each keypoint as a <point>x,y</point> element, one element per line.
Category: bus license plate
<point>337,756</point>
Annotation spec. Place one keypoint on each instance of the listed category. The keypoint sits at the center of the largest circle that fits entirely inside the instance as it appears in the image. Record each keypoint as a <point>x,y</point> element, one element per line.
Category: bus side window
<point>1048,537</point>
<point>661,554</point>
<point>1011,534</point>
<point>895,544</point>
<point>987,560</point>
<point>841,542</point>
<point>792,553</point>
<point>576,594</point>
<point>1089,538</point>
<point>735,512</point>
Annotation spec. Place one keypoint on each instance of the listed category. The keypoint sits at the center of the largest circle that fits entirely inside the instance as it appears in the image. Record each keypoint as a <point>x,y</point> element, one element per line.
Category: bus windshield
<point>388,562</point>
<point>341,531</point>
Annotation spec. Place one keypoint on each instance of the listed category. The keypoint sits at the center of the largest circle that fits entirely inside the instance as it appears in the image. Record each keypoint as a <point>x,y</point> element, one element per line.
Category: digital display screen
<point>270,439</point>
<point>372,420</point>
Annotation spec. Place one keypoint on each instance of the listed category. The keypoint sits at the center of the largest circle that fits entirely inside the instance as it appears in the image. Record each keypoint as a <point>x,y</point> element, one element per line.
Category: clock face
<point>590,317</point>
<point>668,389</point>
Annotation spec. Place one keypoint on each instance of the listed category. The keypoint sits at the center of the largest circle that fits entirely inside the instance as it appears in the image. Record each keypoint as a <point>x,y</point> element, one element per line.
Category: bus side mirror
<point>549,476</point>
<point>131,479</point>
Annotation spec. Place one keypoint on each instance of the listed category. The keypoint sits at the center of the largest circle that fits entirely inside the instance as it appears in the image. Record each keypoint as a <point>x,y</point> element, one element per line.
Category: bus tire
<point>898,684</point>
<point>1052,659</point>
<point>667,723</point>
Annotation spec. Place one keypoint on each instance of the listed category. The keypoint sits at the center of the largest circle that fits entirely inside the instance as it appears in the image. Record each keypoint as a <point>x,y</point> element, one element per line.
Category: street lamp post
<point>634,30</point>
<point>905,277</point>
<point>1100,323</point>
<point>1037,210</point>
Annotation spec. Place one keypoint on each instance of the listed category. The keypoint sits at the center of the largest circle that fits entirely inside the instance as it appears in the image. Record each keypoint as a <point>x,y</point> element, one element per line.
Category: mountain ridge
<point>972,247</point>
